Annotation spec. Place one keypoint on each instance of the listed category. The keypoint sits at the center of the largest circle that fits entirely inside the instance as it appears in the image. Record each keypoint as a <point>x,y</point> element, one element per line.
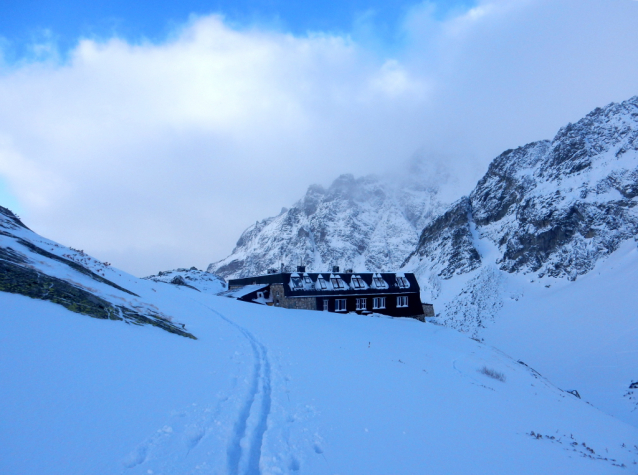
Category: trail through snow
<point>250,402</point>
<point>244,450</point>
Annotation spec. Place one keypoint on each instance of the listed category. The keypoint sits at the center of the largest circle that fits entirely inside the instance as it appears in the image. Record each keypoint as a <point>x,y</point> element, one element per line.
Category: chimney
<point>335,269</point>
<point>349,271</point>
<point>301,269</point>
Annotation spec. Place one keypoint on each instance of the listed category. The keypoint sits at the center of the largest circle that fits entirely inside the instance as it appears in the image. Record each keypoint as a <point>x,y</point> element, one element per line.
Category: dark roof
<point>242,291</point>
<point>391,281</point>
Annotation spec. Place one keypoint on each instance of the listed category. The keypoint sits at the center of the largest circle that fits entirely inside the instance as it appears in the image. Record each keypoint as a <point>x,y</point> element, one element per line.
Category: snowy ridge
<point>549,208</point>
<point>364,224</point>
<point>552,208</point>
<point>193,277</point>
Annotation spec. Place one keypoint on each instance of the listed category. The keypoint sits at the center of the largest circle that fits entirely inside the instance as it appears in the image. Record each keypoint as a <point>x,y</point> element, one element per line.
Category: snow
<point>555,225</point>
<point>268,390</point>
<point>264,390</point>
<point>580,334</point>
<point>201,280</point>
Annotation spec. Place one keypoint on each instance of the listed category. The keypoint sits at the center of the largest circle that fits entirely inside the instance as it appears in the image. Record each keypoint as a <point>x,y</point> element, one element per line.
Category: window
<point>378,302</point>
<point>296,282</point>
<point>307,280</point>
<point>357,283</point>
<point>403,282</point>
<point>322,283</point>
<point>337,283</point>
<point>402,301</point>
<point>379,283</point>
<point>325,305</point>
<point>340,305</point>
<point>362,304</point>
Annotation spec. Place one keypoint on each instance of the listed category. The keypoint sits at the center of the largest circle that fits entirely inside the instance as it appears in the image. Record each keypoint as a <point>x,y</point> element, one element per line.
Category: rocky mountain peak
<point>550,207</point>
<point>364,223</point>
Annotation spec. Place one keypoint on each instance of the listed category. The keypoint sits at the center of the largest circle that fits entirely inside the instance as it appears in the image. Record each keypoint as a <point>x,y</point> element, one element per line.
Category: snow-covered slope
<point>265,390</point>
<point>580,334</point>
<point>519,262</point>
<point>42,269</point>
<point>193,277</point>
<point>363,223</point>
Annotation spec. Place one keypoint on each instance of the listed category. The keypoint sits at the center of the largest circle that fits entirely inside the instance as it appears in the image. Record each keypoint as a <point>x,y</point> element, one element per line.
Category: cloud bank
<point>154,156</point>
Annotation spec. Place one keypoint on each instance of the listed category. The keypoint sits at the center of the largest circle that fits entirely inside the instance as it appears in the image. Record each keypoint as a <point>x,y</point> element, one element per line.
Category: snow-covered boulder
<point>193,277</point>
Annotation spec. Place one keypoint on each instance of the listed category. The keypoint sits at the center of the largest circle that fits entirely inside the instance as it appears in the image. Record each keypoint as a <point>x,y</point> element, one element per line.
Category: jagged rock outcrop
<point>550,207</point>
<point>364,223</point>
<point>194,278</point>
<point>447,242</point>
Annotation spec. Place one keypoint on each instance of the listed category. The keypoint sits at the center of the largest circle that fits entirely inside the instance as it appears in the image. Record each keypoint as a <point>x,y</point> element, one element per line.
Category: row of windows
<point>338,283</point>
<point>362,303</point>
<point>297,283</point>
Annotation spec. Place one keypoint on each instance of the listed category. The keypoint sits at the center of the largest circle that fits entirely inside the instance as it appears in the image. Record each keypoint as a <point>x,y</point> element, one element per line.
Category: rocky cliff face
<point>551,208</point>
<point>363,223</point>
<point>446,243</point>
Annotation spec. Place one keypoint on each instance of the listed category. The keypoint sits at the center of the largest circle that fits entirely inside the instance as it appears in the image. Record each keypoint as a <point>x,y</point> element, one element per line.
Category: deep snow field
<point>271,391</point>
<point>581,335</point>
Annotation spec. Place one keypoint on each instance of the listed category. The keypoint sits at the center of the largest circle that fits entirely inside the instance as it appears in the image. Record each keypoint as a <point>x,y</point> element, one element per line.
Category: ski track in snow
<point>244,450</point>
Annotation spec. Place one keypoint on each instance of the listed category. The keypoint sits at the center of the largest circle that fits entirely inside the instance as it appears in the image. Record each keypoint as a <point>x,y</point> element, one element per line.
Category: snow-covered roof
<point>243,291</point>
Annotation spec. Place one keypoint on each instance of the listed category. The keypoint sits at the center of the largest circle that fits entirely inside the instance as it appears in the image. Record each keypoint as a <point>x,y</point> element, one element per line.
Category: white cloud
<point>158,155</point>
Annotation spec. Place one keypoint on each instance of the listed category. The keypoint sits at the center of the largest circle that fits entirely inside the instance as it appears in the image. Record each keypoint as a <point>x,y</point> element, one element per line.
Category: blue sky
<point>152,138</point>
<point>7,198</point>
<point>22,22</point>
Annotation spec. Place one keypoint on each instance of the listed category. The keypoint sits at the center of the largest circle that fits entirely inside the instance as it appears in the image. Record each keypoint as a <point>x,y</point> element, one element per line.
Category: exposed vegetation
<point>492,373</point>
<point>25,281</point>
